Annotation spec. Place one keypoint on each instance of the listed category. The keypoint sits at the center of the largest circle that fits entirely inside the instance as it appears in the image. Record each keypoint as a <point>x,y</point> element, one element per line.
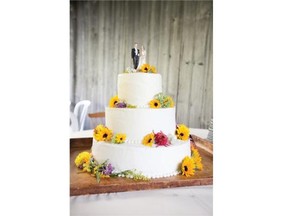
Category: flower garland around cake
<point>159,139</point>
<point>87,163</point>
<point>147,68</point>
<point>103,133</point>
<point>144,68</point>
<point>115,102</point>
<point>161,101</point>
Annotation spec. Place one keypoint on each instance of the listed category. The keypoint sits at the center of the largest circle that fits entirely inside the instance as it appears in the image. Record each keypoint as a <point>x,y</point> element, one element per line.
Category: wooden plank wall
<point>178,37</point>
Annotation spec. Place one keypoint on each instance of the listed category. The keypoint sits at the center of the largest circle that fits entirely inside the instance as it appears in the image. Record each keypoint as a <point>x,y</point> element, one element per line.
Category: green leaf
<point>97,177</point>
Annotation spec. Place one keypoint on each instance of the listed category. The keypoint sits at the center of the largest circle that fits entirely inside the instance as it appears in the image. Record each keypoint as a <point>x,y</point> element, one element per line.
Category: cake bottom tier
<point>155,162</point>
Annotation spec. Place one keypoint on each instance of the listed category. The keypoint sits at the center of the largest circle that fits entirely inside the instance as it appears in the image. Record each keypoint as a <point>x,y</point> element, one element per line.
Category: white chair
<point>74,124</point>
<point>80,111</point>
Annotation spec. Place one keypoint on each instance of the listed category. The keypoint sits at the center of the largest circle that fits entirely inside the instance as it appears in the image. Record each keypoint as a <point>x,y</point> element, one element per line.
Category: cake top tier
<point>139,88</point>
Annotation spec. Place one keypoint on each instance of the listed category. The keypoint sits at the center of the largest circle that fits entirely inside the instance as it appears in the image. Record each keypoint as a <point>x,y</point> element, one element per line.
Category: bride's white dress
<point>142,59</point>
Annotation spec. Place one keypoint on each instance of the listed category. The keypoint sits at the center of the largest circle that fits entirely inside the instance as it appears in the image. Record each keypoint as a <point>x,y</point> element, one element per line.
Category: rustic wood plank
<point>97,115</point>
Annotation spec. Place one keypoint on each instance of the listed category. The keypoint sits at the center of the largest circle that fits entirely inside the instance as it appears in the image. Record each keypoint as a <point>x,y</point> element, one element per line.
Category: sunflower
<point>148,140</point>
<point>83,157</point>
<point>113,101</point>
<point>182,132</point>
<point>98,128</point>
<point>155,103</point>
<point>145,68</point>
<point>197,159</point>
<point>187,166</point>
<point>103,134</point>
<point>119,138</point>
<point>153,69</point>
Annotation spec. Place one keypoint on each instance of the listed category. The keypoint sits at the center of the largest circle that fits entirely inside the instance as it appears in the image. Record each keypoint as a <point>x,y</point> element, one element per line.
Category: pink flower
<point>161,139</point>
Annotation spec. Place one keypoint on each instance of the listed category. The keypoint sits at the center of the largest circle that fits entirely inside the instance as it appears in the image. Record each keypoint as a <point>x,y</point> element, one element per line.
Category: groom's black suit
<point>135,57</point>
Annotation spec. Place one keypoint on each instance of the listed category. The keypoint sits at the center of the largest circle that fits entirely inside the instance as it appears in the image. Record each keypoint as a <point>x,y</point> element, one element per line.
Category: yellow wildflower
<point>120,138</point>
<point>153,69</point>
<point>197,159</point>
<point>82,158</point>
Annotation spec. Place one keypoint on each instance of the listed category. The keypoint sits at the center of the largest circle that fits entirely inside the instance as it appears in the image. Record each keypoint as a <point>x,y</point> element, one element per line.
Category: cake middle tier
<point>136,123</point>
<point>139,88</point>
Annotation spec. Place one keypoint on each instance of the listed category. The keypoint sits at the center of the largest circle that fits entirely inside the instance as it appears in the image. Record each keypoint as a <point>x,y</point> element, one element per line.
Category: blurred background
<point>177,35</point>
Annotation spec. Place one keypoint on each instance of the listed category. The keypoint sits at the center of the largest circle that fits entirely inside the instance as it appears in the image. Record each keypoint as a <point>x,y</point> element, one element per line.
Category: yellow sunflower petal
<point>197,159</point>
<point>155,103</point>
<point>113,101</point>
<point>82,158</point>
<point>182,132</point>
<point>145,68</point>
<point>148,140</point>
<point>188,166</point>
<point>153,69</point>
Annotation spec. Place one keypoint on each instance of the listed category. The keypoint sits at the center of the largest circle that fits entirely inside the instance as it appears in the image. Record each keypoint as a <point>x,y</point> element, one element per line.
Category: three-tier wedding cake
<point>140,131</point>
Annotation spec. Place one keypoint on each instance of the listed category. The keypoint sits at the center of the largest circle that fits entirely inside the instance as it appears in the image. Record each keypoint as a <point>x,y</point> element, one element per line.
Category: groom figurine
<point>135,56</point>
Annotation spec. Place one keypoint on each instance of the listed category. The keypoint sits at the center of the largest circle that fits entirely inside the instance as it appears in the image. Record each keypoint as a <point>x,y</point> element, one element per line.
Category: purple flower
<point>107,170</point>
<point>121,105</point>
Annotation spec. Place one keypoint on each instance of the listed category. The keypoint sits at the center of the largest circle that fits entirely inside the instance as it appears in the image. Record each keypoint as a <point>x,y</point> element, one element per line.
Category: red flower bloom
<point>161,139</point>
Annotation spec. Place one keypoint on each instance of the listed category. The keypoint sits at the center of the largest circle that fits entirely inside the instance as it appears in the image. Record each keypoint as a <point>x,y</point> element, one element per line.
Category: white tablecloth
<point>195,200</point>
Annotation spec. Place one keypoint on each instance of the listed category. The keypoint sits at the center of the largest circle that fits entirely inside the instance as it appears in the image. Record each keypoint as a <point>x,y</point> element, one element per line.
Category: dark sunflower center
<point>181,134</point>
<point>105,135</point>
<point>149,140</point>
<point>146,68</point>
<point>121,138</point>
<point>115,102</point>
<point>155,104</point>
<point>186,168</point>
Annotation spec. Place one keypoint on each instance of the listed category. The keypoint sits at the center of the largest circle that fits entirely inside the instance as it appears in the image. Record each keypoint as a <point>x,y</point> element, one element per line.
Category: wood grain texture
<point>178,37</point>
<point>84,183</point>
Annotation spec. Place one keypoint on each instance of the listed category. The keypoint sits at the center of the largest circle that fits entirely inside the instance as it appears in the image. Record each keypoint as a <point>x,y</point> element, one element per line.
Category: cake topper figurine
<point>135,53</point>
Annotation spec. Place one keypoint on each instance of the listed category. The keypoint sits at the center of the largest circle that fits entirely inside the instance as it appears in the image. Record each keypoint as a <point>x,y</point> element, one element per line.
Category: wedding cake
<point>140,131</point>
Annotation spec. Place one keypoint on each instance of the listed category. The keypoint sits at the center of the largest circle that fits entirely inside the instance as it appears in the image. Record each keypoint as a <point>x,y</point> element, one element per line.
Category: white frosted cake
<point>146,123</point>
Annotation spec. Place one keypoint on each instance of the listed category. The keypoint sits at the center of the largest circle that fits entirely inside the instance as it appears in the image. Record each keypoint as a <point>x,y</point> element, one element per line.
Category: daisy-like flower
<point>155,103</point>
<point>197,159</point>
<point>113,101</point>
<point>119,138</point>
<point>148,140</point>
<point>102,133</point>
<point>83,157</point>
<point>188,166</point>
<point>153,69</point>
<point>182,132</point>
<point>145,68</point>
<point>161,139</point>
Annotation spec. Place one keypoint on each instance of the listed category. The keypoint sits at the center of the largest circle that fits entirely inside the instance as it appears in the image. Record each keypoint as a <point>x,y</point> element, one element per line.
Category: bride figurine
<point>142,59</point>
